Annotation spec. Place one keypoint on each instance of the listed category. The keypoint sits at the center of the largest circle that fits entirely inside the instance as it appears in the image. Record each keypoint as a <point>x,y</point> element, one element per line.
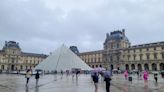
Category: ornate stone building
<point>119,54</point>
<point>12,58</point>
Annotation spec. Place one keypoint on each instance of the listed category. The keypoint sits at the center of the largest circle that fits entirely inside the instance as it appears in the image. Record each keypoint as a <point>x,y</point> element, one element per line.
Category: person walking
<point>61,74</point>
<point>107,80</point>
<point>37,76</point>
<point>28,75</point>
<point>138,75</point>
<point>77,74</point>
<point>145,77</point>
<point>95,80</point>
<point>156,78</point>
<point>126,74</point>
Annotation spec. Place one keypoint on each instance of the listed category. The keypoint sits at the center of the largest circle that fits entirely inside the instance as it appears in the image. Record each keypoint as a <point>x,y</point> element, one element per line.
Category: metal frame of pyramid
<point>62,59</point>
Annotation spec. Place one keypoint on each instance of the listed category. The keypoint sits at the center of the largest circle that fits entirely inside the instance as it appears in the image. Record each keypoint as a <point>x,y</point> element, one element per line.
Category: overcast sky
<point>41,26</point>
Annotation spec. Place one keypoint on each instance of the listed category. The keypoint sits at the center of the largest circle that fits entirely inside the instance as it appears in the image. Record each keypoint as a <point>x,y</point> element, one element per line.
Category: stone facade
<point>93,58</point>
<point>12,58</point>
<point>119,54</point>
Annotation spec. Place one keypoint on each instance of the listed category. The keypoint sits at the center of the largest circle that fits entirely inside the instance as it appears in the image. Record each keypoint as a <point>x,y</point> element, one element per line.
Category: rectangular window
<point>148,56</point>
<point>117,45</point>
<point>12,60</point>
<point>155,55</point>
<point>162,55</point>
<point>128,57</point>
<point>99,59</point>
<point>111,46</point>
<point>111,59</point>
<point>134,57</point>
<point>118,58</point>
<point>140,56</point>
<point>134,51</point>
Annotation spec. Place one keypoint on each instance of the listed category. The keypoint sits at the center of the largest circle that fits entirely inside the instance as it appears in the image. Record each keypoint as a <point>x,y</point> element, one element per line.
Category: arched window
<point>133,67</point>
<point>146,66</point>
<point>154,67</point>
<point>2,67</point>
<point>92,66</point>
<point>139,67</point>
<point>111,66</point>
<point>127,67</point>
<point>161,66</point>
<point>21,67</point>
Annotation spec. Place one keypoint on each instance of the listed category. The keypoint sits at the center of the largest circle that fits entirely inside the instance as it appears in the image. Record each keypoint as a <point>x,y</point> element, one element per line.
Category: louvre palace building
<point>118,53</point>
<point>12,58</point>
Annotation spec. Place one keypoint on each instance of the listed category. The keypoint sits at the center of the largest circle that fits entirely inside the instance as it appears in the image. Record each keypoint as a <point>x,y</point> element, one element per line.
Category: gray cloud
<point>43,25</point>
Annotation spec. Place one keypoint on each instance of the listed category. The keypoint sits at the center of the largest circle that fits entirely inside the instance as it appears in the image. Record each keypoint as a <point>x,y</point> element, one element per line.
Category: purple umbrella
<point>108,73</point>
<point>97,70</point>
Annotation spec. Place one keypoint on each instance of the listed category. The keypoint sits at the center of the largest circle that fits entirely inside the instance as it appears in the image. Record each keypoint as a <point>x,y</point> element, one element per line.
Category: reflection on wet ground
<point>51,83</point>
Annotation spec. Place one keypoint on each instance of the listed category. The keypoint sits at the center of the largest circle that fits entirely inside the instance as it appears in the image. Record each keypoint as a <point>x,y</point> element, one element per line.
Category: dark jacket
<point>95,78</point>
<point>107,80</point>
<point>37,76</point>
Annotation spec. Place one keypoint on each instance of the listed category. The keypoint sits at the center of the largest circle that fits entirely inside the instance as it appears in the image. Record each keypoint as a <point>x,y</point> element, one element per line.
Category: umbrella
<point>108,73</point>
<point>155,72</point>
<point>97,70</point>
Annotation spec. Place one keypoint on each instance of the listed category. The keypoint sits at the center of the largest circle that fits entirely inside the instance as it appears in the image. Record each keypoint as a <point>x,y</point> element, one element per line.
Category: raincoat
<point>145,75</point>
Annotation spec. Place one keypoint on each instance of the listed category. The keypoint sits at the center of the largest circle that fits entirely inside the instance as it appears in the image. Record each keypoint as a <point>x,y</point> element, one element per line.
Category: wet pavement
<point>51,83</point>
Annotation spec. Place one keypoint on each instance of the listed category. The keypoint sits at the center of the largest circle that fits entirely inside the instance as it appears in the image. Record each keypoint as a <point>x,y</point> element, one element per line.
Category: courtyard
<point>52,83</point>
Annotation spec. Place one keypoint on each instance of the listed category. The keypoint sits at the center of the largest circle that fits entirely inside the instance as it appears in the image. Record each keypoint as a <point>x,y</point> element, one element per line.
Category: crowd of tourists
<point>107,79</point>
<point>106,75</point>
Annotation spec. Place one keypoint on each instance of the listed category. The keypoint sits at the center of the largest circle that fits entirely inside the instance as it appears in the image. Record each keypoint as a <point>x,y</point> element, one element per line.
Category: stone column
<point>124,66</point>
<point>136,67</point>
<point>150,67</point>
<point>130,68</point>
<point>158,67</point>
<point>143,68</point>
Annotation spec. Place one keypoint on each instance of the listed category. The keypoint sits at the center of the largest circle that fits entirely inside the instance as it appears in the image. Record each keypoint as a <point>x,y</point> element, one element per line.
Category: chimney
<point>123,32</point>
<point>50,53</point>
<point>107,35</point>
<point>5,43</point>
